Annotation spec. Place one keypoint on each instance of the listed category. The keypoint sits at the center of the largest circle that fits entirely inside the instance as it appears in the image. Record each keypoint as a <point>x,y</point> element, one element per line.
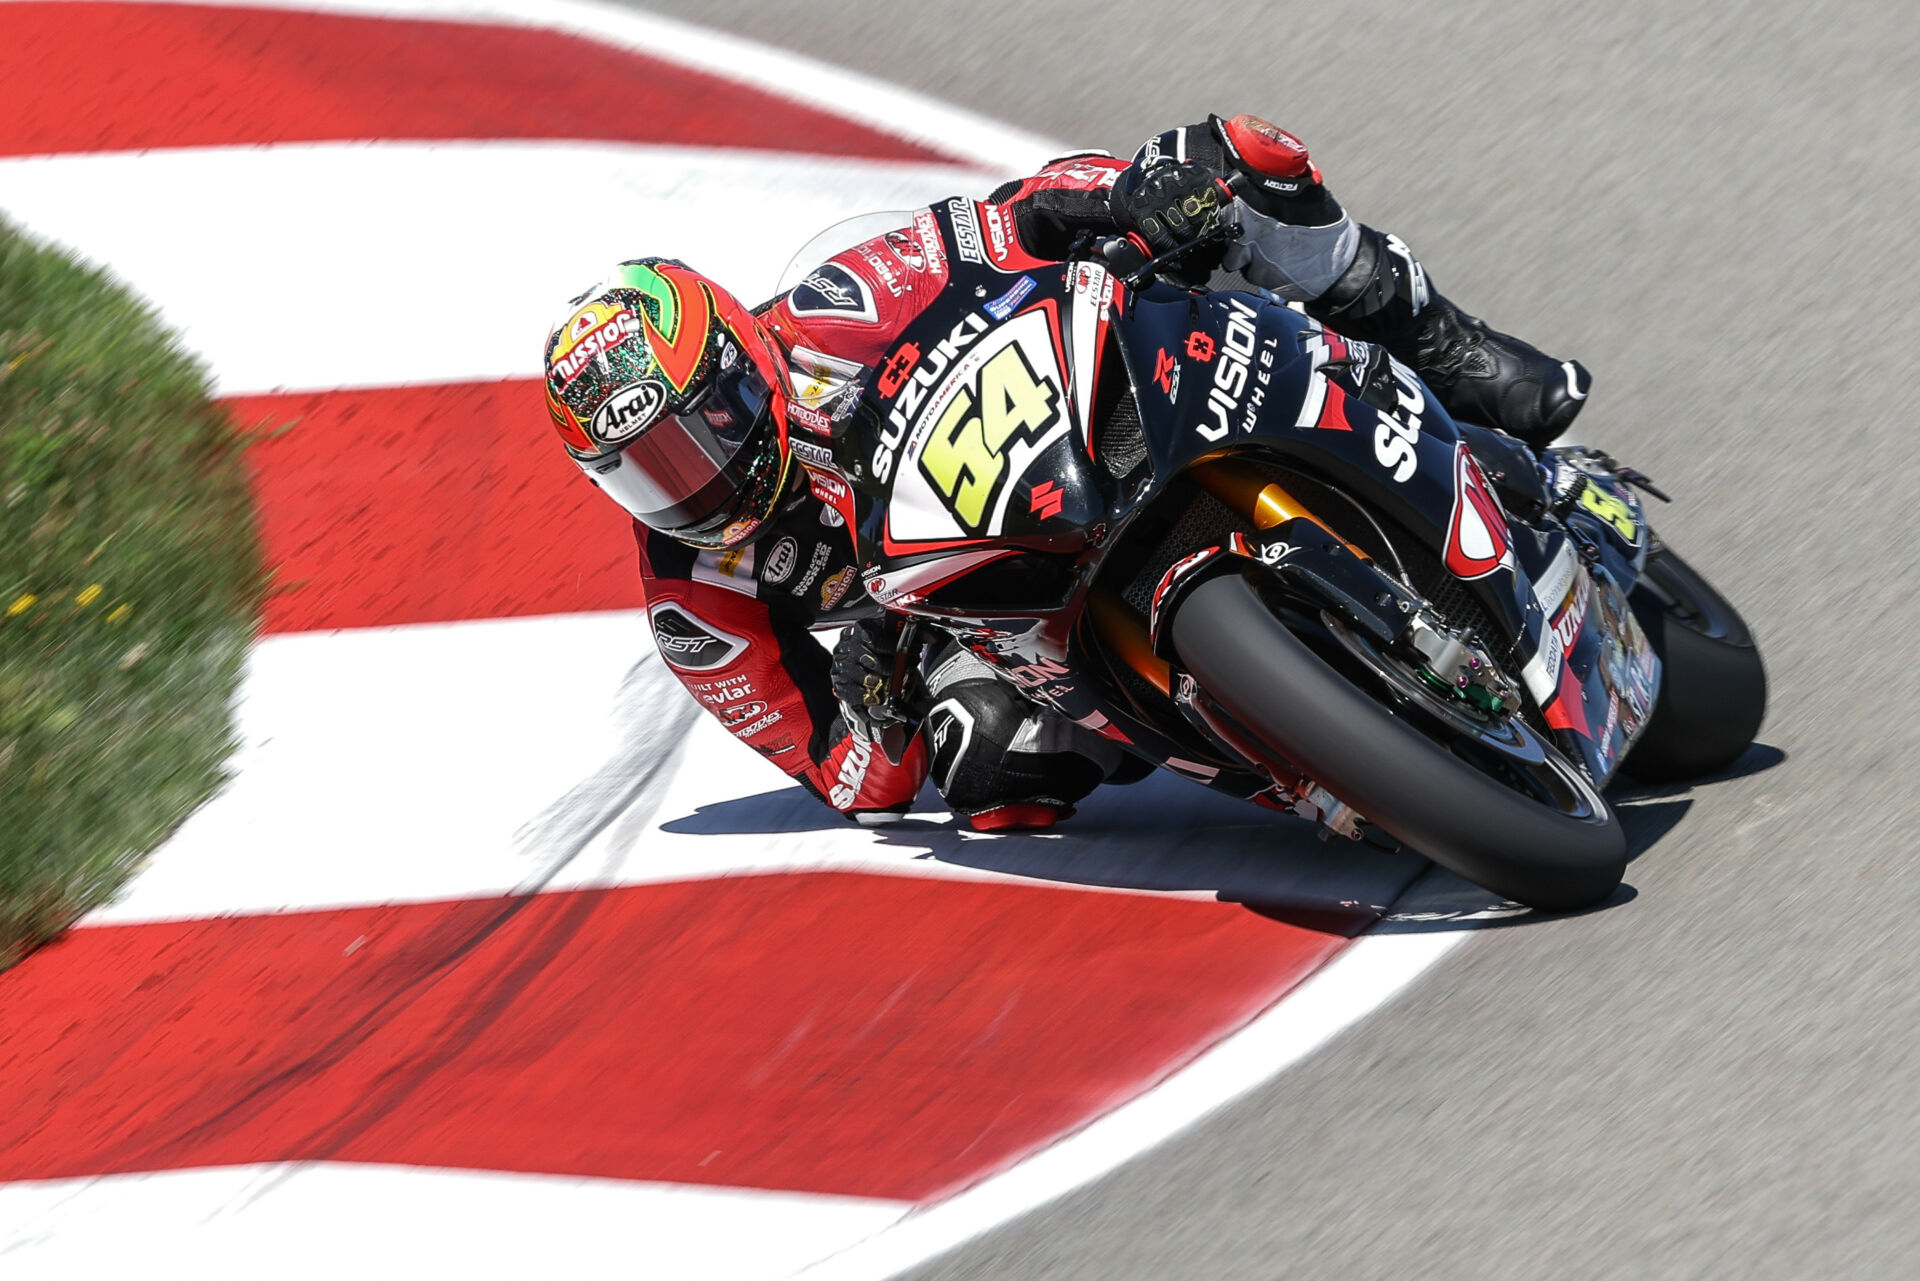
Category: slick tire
<point>1406,783</point>
<point>1713,686</point>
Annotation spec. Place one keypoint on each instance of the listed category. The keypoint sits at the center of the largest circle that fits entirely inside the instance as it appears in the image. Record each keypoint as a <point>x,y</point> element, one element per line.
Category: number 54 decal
<point>1000,407</point>
<point>966,455</point>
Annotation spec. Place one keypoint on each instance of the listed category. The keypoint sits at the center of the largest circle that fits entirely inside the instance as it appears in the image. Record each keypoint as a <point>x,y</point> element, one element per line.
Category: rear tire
<point>1403,781</point>
<point>1713,686</point>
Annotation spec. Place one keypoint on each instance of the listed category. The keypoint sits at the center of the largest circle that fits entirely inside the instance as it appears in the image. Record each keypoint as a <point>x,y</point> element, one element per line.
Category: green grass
<point>130,584</point>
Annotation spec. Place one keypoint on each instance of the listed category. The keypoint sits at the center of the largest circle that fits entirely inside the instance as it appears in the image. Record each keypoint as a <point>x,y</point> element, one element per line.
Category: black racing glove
<point>1165,204</point>
<point>862,674</point>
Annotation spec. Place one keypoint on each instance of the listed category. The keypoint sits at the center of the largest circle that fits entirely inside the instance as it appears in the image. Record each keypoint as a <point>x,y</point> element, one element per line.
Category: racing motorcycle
<point>1263,557</point>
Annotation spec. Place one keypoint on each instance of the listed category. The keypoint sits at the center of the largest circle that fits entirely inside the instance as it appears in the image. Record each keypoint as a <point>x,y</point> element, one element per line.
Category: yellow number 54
<point>965,457</point>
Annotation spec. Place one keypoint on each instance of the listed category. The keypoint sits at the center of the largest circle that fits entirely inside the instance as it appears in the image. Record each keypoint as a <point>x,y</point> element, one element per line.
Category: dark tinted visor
<point>688,468</point>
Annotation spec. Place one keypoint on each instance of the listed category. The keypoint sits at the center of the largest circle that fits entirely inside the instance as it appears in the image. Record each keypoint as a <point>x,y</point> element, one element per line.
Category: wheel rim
<point>1506,749</point>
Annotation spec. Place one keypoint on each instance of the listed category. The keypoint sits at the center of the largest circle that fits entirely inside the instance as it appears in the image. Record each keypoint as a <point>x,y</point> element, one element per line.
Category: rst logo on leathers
<point>689,644</point>
<point>832,290</point>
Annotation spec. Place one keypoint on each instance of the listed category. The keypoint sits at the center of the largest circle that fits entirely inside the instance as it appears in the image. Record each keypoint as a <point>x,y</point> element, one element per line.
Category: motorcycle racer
<point>701,418</point>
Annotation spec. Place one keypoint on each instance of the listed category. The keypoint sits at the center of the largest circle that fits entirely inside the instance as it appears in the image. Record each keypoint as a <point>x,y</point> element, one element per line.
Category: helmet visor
<point>688,469</point>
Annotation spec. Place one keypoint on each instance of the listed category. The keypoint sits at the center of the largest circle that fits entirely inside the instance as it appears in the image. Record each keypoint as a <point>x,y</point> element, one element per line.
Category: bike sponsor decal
<point>927,228</point>
<point>628,412</point>
<point>1200,346</point>
<point>1396,439</point>
<point>826,486</point>
<point>966,231</point>
<point>832,290</point>
<point>809,452</point>
<point>1002,307</point>
<point>1542,672</point>
<point>1234,375</point>
<point>595,329</point>
<point>912,392</point>
<point>812,419</point>
<point>898,366</point>
<point>1046,499</point>
<point>834,590</point>
<point>831,517</point>
<point>780,561</point>
<point>1478,542</point>
<point>690,644</point>
<point>1166,372</point>
<point>996,410</point>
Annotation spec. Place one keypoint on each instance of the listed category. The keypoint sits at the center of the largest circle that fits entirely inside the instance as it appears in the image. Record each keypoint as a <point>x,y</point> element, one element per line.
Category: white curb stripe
<point>340,1220</point>
<point>378,264</point>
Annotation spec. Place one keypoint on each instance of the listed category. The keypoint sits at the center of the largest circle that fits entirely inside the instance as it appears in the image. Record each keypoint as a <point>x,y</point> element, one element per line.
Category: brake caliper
<point>1454,664</point>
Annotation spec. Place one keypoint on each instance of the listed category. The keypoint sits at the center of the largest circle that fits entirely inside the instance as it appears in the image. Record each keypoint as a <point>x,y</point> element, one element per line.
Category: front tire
<point>1405,782</point>
<point>1713,687</point>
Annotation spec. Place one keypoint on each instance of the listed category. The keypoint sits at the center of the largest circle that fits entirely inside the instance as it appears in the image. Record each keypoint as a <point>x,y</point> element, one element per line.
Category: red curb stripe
<point>835,1033</point>
<point>428,504</point>
<point>117,77</point>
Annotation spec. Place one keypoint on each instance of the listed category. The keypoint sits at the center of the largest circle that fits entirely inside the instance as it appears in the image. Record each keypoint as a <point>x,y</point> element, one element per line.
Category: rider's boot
<point>1480,374</point>
<point>1001,761</point>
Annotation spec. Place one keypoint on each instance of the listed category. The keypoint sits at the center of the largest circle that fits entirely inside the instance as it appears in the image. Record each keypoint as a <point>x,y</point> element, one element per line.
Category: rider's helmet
<point>669,396</point>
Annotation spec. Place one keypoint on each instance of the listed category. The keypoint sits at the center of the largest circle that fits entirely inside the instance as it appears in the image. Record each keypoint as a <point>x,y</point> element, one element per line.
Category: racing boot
<point>1001,761</point>
<point>1480,374</point>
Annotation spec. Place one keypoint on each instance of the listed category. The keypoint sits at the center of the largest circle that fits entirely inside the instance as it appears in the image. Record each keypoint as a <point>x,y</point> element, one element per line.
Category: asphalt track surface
<point>1712,208</point>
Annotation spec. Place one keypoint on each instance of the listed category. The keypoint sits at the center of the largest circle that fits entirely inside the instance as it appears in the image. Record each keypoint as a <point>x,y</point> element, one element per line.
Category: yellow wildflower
<point>21,604</point>
<point>119,615</point>
<point>89,595</point>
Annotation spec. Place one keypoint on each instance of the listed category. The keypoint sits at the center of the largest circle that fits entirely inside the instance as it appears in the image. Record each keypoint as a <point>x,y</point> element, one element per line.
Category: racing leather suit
<point>734,625</point>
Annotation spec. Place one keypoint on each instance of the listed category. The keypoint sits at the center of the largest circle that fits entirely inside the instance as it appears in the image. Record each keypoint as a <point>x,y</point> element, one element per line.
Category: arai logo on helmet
<point>628,412</point>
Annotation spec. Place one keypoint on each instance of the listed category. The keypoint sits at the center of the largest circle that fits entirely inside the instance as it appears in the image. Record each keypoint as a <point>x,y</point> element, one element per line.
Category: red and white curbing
<point>531,965</point>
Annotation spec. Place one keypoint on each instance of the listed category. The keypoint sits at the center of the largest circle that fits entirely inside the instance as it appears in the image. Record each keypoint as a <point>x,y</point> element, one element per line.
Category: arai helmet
<point>669,396</point>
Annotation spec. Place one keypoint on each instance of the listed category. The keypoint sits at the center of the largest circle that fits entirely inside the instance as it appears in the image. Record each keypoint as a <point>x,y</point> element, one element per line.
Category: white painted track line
<point>340,1220</point>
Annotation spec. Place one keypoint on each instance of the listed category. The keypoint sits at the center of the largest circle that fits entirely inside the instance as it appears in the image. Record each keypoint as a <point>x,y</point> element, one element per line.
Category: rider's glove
<point>1168,202</point>
<point>862,675</point>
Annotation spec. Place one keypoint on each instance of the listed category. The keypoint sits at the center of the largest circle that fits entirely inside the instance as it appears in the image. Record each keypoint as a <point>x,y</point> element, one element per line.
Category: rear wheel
<point>1713,687</point>
<point>1491,800</point>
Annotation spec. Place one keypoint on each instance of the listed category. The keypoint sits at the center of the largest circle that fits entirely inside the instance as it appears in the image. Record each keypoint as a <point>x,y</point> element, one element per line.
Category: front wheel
<point>1713,687</point>
<point>1514,816</point>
